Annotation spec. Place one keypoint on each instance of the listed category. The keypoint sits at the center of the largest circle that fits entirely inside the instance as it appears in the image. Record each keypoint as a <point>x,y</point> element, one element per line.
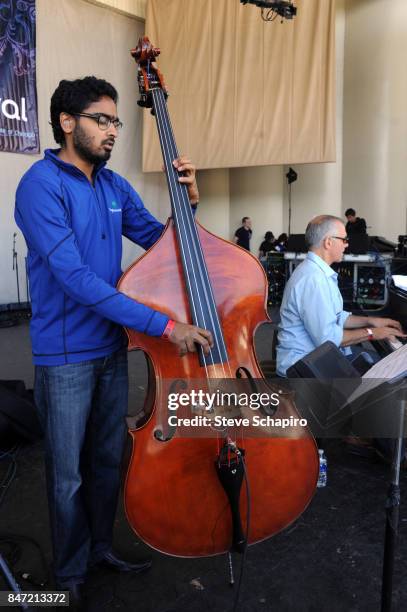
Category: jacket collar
<point>52,155</point>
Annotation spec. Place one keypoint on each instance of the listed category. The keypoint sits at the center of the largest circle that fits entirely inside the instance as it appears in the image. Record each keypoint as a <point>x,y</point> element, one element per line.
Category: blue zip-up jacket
<point>73,231</point>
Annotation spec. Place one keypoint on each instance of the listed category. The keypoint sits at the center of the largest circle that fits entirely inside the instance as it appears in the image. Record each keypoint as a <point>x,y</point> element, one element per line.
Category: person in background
<point>280,244</point>
<point>267,245</point>
<point>355,225</point>
<point>312,312</point>
<point>244,234</point>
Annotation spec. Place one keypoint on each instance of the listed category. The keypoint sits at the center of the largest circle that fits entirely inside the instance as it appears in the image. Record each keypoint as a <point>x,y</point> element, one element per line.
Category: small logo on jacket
<point>115,207</point>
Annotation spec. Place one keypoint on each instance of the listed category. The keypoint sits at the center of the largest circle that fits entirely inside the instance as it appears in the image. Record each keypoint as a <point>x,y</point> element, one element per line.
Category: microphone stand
<point>289,209</point>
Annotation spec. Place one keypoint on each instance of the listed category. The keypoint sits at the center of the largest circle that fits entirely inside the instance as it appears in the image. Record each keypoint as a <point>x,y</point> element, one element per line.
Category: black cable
<point>11,470</point>
<point>8,452</point>
<point>14,553</point>
<point>11,539</point>
<point>248,516</point>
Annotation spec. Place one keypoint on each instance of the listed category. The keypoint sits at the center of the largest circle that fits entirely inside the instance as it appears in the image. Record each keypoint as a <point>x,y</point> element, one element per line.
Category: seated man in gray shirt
<point>312,307</point>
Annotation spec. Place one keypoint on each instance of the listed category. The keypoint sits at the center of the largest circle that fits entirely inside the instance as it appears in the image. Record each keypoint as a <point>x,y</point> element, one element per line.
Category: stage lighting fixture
<point>270,10</point>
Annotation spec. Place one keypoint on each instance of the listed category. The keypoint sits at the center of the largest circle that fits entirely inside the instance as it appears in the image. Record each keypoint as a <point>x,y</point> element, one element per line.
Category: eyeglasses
<point>345,239</point>
<point>103,121</point>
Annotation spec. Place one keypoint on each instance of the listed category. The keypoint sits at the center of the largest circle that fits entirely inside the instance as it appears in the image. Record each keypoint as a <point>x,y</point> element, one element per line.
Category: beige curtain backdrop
<point>244,92</point>
<point>75,39</point>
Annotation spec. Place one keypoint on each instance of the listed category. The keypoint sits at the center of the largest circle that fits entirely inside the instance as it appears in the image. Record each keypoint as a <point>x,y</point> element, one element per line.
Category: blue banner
<point>18,94</point>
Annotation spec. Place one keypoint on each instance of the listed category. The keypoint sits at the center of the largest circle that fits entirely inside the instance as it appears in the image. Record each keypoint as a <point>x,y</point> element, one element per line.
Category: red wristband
<point>369,333</point>
<point>168,329</point>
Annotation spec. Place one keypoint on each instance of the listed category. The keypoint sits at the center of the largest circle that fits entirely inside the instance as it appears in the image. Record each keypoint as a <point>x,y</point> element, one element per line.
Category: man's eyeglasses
<point>102,120</point>
<point>345,239</point>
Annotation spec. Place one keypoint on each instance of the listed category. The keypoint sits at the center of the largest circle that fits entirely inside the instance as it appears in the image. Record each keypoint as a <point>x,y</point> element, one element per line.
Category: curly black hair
<point>74,96</point>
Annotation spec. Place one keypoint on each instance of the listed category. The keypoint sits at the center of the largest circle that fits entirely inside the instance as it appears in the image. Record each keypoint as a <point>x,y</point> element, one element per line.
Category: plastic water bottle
<point>323,468</point>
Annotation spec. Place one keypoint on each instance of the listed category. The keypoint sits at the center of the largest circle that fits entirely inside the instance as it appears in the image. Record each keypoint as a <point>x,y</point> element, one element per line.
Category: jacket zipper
<point>93,187</point>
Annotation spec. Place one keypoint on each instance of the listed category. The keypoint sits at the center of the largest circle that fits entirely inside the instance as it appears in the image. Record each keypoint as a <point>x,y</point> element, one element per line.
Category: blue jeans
<point>82,410</point>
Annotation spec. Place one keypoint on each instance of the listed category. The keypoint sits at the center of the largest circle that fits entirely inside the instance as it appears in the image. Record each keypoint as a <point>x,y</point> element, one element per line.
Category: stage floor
<point>329,559</point>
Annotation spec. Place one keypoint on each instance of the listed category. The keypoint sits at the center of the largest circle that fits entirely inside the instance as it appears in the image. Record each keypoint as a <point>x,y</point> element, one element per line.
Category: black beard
<point>82,144</point>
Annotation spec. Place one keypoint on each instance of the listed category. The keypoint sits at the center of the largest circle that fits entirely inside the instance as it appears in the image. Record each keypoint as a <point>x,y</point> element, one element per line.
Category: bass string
<point>180,191</point>
<point>175,201</point>
<point>191,238</point>
<point>196,243</point>
<point>181,204</point>
<point>177,211</point>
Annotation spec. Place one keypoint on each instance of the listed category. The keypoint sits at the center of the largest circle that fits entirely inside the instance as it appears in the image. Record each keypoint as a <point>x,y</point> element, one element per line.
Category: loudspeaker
<point>318,396</point>
<point>325,362</point>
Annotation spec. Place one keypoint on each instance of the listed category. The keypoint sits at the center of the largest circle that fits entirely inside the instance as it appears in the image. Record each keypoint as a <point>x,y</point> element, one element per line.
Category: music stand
<point>397,389</point>
<point>327,361</point>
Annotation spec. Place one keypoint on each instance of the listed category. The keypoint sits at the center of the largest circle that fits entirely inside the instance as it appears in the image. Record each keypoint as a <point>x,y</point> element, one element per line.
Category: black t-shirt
<point>267,246</point>
<point>243,236</point>
<point>358,227</point>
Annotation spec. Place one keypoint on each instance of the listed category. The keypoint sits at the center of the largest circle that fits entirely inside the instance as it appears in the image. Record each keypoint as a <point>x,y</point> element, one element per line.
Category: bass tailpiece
<point>230,469</point>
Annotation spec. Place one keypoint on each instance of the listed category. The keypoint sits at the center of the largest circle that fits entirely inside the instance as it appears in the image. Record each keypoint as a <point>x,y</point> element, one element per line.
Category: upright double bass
<point>176,498</point>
